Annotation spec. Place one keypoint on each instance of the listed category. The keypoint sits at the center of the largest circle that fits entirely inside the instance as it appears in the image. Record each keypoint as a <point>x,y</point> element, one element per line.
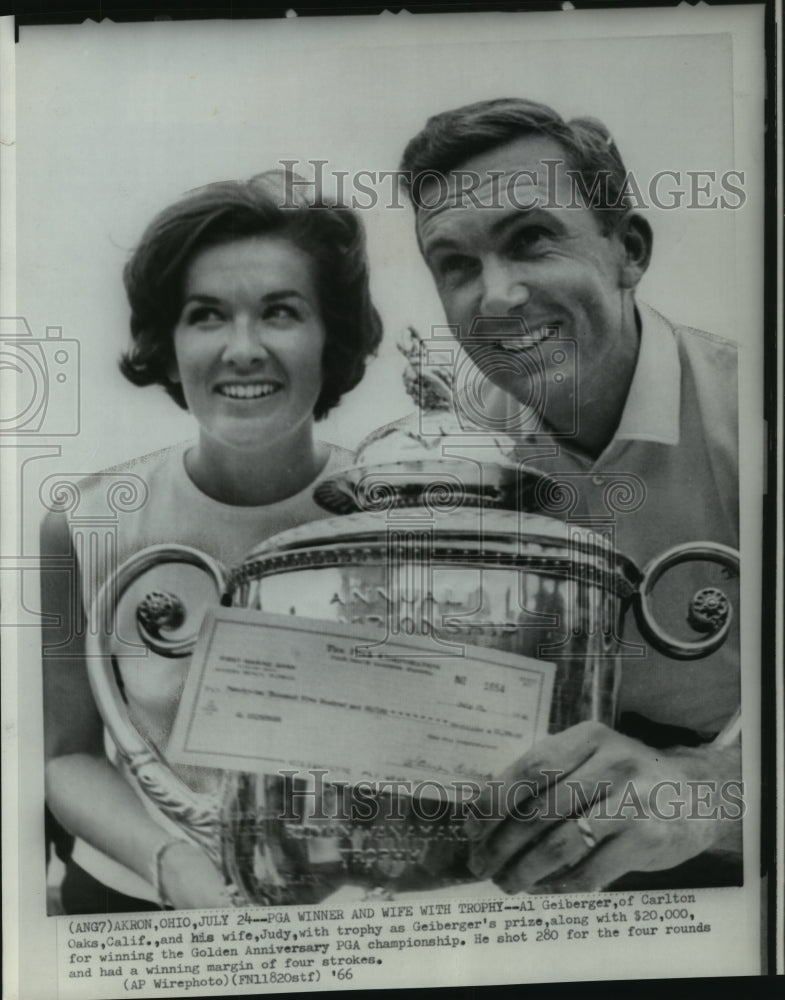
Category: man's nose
<point>245,343</point>
<point>504,287</point>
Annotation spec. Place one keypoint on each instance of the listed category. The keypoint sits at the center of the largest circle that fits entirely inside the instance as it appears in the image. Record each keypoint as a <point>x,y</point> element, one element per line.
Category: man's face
<point>554,267</point>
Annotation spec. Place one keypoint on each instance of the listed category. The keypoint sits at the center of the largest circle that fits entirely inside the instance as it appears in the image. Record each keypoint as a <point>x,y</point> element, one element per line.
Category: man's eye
<point>455,264</point>
<point>530,239</point>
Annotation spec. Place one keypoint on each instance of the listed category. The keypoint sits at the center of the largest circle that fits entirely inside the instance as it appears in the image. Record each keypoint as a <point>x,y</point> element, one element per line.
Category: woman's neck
<point>252,479</point>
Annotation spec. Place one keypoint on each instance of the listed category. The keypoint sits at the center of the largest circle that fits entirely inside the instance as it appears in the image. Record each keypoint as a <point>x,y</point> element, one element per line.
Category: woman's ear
<point>636,238</point>
<point>172,371</point>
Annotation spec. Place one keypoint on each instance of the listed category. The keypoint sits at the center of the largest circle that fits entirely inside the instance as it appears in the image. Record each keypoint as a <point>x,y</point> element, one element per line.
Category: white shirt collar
<point>651,411</point>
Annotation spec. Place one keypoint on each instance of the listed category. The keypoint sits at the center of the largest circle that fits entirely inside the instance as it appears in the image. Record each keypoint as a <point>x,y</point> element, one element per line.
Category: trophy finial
<point>429,386</point>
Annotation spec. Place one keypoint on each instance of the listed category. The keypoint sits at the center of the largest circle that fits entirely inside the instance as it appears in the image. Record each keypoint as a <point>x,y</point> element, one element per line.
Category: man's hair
<point>451,138</point>
<point>221,213</point>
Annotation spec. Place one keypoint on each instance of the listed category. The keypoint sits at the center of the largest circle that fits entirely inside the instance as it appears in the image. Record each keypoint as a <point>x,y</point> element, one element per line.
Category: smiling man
<point>524,222</point>
<point>556,267</point>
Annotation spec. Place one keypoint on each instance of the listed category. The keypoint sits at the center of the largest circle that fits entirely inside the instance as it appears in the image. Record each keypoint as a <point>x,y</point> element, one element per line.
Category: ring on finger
<point>586,832</point>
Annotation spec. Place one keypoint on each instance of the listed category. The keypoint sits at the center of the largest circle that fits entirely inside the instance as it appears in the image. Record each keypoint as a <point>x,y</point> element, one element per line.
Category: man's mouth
<point>525,342</point>
<point>248,390</point>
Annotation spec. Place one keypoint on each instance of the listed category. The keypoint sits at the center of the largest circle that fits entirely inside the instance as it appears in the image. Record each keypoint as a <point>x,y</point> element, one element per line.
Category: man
<point>522,218</point>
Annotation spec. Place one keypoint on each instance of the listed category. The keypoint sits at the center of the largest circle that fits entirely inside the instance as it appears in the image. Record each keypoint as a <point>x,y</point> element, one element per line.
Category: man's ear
<point>636,238</point>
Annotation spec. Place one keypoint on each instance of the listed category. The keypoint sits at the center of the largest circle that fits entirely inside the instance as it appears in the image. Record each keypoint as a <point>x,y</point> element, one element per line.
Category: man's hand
<point>586,806</point>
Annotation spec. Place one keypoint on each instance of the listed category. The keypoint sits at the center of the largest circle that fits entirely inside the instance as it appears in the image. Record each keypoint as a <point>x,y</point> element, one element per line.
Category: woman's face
<point>249,340</point>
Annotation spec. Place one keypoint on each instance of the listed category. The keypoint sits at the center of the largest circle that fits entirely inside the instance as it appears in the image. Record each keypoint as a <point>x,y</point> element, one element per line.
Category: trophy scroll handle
<point>710,610</point>
<point>197,814</point>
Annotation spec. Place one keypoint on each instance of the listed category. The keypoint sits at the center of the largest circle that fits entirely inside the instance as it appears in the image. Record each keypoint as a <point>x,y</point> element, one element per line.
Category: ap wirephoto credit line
<point>385,465</point>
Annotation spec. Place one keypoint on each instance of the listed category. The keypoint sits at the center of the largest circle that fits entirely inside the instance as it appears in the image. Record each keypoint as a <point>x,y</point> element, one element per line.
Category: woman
<point>251,307</point>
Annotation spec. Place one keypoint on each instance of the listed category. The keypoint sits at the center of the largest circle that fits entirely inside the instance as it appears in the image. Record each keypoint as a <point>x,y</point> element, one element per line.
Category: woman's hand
<point>188,879</point>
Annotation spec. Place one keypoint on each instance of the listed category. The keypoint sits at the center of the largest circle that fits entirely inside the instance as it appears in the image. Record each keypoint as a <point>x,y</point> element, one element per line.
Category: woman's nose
<point>245,342</point>
<point>504,287</point>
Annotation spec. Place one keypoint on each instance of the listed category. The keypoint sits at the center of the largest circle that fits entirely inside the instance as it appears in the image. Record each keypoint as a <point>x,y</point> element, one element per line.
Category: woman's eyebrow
<point>202,298</point>
<point>286,293</point>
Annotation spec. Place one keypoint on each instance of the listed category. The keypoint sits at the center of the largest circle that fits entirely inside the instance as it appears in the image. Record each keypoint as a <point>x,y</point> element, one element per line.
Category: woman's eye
<point>203,316</point>
<point>281,312</point>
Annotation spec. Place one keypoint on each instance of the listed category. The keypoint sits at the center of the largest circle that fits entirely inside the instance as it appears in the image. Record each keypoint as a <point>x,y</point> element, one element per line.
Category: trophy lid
<point>470,535</point>
<point>426,457</point>
<point>432,483</point>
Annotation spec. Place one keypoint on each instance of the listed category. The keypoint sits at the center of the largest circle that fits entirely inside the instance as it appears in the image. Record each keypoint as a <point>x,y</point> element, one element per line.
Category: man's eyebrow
<point>509,221</point>
<point>523,217</point>
<point>440,243</point>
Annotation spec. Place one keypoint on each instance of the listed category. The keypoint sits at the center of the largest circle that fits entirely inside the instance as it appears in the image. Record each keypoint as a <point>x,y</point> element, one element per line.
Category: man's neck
<point>594,410</point>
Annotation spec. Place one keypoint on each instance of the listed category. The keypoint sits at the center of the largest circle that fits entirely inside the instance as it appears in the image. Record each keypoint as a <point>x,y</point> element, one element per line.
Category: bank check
<point>268,692</point>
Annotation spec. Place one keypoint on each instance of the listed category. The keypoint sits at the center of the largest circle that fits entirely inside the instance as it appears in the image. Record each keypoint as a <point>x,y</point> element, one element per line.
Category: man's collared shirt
<point>668,476</point>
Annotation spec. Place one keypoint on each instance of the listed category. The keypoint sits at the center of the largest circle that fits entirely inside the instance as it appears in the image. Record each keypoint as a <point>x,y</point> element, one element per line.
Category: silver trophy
<point>432,542</point>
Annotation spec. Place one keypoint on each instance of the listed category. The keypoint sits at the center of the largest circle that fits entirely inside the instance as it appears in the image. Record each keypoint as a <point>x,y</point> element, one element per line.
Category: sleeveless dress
<point>163,506</point>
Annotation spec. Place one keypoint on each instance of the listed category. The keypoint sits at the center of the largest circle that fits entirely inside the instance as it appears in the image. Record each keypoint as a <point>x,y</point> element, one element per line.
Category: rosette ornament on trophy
<point>465,612</point>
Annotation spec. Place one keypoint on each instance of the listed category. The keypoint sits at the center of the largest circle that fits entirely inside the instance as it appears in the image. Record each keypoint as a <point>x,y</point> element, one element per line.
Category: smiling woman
<point>250,306</point>
<point>248,355</point>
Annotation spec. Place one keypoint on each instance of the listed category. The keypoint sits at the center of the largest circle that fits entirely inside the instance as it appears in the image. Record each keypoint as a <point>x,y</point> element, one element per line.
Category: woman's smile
<point>248,390</point>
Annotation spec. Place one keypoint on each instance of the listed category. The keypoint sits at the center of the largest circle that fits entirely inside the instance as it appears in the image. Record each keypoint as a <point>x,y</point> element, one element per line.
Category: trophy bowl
<point>521,584</point>
<point>444,566</point>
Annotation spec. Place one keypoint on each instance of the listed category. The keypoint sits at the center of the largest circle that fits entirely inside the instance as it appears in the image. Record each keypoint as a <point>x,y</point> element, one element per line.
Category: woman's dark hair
<point>451,138</point>
<point>268,204</point>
